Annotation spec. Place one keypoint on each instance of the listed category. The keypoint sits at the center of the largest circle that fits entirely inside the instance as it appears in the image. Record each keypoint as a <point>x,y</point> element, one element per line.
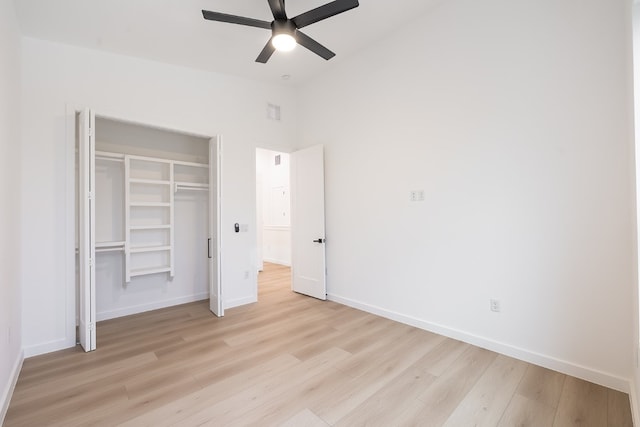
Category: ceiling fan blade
<point>233,19</point>
<point>313,46</point>
<point>277,8</point>
<point>266,52</point>
<point>324,12</point>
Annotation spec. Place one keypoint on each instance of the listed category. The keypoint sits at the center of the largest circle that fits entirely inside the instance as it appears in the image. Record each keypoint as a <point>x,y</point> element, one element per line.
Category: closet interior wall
<point>151,218</point>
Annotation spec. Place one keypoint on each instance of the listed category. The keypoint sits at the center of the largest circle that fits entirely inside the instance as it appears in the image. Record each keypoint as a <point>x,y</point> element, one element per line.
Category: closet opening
<point>147,220</point>
<point>273,208</point>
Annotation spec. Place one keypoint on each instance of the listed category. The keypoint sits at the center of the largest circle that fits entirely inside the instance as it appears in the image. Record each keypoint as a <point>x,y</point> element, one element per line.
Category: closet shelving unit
<point>148,202</point>
<point>149,187</point>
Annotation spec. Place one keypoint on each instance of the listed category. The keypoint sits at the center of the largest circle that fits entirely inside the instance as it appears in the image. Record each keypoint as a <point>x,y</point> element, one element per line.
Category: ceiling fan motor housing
<point>283,27</point>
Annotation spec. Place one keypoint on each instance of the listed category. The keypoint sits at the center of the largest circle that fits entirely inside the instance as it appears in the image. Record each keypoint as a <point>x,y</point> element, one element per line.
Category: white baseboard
<point>135,309</point>
<point>48,347</point>
<point>240,301</point>
<point>563,366</point>
<point>633,401</point>
<point>11,385</point>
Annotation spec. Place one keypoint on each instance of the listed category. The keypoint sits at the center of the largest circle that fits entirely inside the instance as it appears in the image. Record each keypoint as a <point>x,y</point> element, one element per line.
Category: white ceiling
<point>174,31</point>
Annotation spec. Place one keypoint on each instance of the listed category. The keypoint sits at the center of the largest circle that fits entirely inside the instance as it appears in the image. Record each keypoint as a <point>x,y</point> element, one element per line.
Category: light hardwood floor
<point>294,361</point>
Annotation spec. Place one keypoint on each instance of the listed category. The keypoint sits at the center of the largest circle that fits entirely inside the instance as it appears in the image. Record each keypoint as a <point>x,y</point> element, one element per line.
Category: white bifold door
<point>214,253</point>
<point>307,222</point>
<point>87,224</point>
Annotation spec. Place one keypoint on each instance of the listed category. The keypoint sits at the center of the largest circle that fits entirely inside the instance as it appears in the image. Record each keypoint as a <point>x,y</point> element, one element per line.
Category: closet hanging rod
<point>100,250</point>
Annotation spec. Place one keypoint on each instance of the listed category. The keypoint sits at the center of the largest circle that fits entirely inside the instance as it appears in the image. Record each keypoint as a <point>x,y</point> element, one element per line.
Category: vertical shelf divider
<point>127,220</point>
<point>171,220</point>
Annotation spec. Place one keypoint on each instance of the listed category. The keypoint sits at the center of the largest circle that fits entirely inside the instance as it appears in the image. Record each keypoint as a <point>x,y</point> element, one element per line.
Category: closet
<point>148,220</point>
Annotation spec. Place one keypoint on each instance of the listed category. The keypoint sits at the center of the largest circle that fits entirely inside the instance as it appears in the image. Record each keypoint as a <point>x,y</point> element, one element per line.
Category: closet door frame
<point>73,131</point>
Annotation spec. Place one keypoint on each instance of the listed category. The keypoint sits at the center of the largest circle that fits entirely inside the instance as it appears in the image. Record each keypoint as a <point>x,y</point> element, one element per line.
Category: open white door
<point>214,253</point>
<point>87,216</point>
<point>307,222</point>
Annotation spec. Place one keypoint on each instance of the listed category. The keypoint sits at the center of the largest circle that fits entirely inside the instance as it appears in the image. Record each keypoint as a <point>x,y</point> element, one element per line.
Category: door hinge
<point>90,262</point>
<point>90,131</point>
<point>92,326</point>
<point>90,195</point>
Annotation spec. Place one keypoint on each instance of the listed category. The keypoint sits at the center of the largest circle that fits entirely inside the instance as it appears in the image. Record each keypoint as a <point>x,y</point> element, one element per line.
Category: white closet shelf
<point>142,271</point>
<point>104,155</point>
<point>109,244</point>
<point>191,164</point>
<point>141,249</point>
<point>150,227</point>
<point>149,181</point>
<point>151,204</point>
<point>190,186</point>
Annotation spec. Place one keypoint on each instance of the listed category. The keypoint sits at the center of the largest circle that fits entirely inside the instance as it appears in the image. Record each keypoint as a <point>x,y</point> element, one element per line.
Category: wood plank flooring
<point>293,361</point>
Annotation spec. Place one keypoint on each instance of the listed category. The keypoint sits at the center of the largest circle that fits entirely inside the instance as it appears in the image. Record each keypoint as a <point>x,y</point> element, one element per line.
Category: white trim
<point>48,347</point>
<point>7,393</point>
<point>633,401</point>
<point>240,301</point>
<point>563,366</point>
<point>135,309</point>
<point>71,313</point>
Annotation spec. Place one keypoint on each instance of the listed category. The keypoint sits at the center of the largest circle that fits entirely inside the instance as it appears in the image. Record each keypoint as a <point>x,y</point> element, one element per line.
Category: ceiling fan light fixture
<point>283,42</point>
<point>285,31</point>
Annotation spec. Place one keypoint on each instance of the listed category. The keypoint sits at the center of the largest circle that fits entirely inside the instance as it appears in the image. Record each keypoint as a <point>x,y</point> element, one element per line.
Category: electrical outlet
<point>246,274</point>
<point>494,304</point>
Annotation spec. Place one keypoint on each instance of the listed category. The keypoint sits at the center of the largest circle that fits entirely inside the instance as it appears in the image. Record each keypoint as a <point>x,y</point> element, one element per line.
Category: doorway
<point>147,220</point>
<point>290,216</point>
<point>273,208</point>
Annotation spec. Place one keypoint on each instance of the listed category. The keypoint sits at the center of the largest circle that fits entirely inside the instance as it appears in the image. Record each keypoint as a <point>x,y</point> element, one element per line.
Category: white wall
<point>275,207</point>
<point>515,120</point>
<point>635,389</point>
<point>10,322</point>
<point>57,78</point>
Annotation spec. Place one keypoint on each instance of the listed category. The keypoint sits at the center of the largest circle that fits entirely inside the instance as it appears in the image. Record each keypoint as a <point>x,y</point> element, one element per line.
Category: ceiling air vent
<point>273,112</point>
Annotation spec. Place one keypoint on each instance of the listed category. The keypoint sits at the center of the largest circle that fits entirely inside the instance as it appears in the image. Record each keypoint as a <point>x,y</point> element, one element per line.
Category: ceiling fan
<point>285,32</point>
